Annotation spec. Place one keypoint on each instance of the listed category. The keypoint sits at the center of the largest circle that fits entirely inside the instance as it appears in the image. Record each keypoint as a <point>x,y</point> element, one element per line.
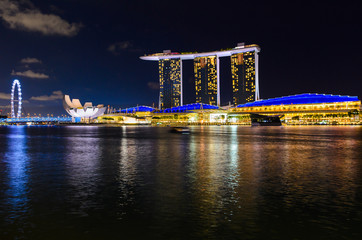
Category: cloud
<point>6,96</point>
<point>32,20</point>
<point>30,74</point>
<point>56,95</point>
<point>29,60</point>
<point>153,85</point>
<point>118,47</point>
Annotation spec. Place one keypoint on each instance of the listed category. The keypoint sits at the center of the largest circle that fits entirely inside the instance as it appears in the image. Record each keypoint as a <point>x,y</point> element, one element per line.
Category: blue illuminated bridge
<point>36,120</point>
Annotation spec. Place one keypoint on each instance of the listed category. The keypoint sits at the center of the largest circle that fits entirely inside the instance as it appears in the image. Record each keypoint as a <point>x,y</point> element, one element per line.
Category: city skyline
<point>95,56</point>
<point>158,119</point>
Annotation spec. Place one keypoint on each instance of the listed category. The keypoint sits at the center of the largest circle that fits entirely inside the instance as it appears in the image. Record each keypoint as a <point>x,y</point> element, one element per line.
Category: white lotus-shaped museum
<point>76,110</point>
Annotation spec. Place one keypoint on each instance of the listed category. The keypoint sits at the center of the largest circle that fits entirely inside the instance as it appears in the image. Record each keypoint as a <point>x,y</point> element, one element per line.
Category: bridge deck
<point>36,119</point>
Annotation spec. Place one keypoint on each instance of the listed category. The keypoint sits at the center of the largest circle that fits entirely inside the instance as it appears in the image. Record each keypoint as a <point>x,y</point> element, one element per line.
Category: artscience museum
<point>81,113</point>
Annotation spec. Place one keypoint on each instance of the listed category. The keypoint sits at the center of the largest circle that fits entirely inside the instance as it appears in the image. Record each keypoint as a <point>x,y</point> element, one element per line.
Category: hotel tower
<point>243,77</point>
<point>206,84</point>
<point>244,69</point>
<point>170,83</point>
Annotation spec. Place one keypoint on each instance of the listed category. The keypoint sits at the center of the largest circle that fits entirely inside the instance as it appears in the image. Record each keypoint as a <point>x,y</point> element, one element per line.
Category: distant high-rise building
<point>170,83</point>
<point>205,69</point>
<point>243,77</point>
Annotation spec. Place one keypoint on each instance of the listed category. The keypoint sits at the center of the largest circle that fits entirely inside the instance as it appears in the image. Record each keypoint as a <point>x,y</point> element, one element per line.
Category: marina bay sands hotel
<point>244,70</point>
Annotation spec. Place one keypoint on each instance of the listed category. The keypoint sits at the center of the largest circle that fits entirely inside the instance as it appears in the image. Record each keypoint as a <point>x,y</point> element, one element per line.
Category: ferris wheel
<point>16,82</point>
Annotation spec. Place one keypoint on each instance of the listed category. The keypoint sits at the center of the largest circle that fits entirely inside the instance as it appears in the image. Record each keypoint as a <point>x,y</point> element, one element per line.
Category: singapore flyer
<point>16,82</point>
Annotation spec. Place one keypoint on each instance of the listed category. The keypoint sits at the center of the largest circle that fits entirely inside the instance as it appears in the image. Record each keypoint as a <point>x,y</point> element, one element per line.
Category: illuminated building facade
<point>301,109</point>
<point>243,72</point>
<point>306,109</point>
<point>206,84</point>
<point>207,74</point>
<point>170,83</point>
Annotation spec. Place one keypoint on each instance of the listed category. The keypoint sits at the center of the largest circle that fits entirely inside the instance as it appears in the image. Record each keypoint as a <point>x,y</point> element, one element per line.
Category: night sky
<point>90,49</point>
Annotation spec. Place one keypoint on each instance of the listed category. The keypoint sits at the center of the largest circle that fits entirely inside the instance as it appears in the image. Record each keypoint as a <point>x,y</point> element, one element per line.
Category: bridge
<point>36,120</point>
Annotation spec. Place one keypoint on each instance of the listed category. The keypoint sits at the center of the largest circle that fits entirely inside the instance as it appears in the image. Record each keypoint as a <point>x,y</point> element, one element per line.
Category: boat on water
<point>263,120</point>
<point>180,130</point>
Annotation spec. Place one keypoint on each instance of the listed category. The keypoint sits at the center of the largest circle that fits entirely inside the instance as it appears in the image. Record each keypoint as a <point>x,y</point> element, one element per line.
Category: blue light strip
<point>188,107</point>
<point>36,119</point>
<point>306,98</point>
<point>137,109</point>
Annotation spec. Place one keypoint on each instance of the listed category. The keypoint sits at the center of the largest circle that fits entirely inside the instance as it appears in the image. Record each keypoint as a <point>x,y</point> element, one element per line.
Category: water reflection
<point>83,156</point>
<point>221,182</point>
<point>17,161</point>
<point>203,186</point>
<point>303,175</point>
<point>127,172</point>
<point>215,177</point>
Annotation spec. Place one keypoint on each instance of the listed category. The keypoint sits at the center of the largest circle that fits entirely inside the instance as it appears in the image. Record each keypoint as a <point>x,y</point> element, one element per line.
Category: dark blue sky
<point>90,49</point>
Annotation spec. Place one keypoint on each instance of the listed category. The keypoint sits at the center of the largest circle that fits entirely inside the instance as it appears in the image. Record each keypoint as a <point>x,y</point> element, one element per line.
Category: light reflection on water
<point>127,171</point>
<point>17,173</point>
<point>217,182</point>
<point>82,161</point>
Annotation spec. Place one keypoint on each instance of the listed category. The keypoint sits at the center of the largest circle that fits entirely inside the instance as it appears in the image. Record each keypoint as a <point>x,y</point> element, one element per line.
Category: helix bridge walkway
<point>36,120</point>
